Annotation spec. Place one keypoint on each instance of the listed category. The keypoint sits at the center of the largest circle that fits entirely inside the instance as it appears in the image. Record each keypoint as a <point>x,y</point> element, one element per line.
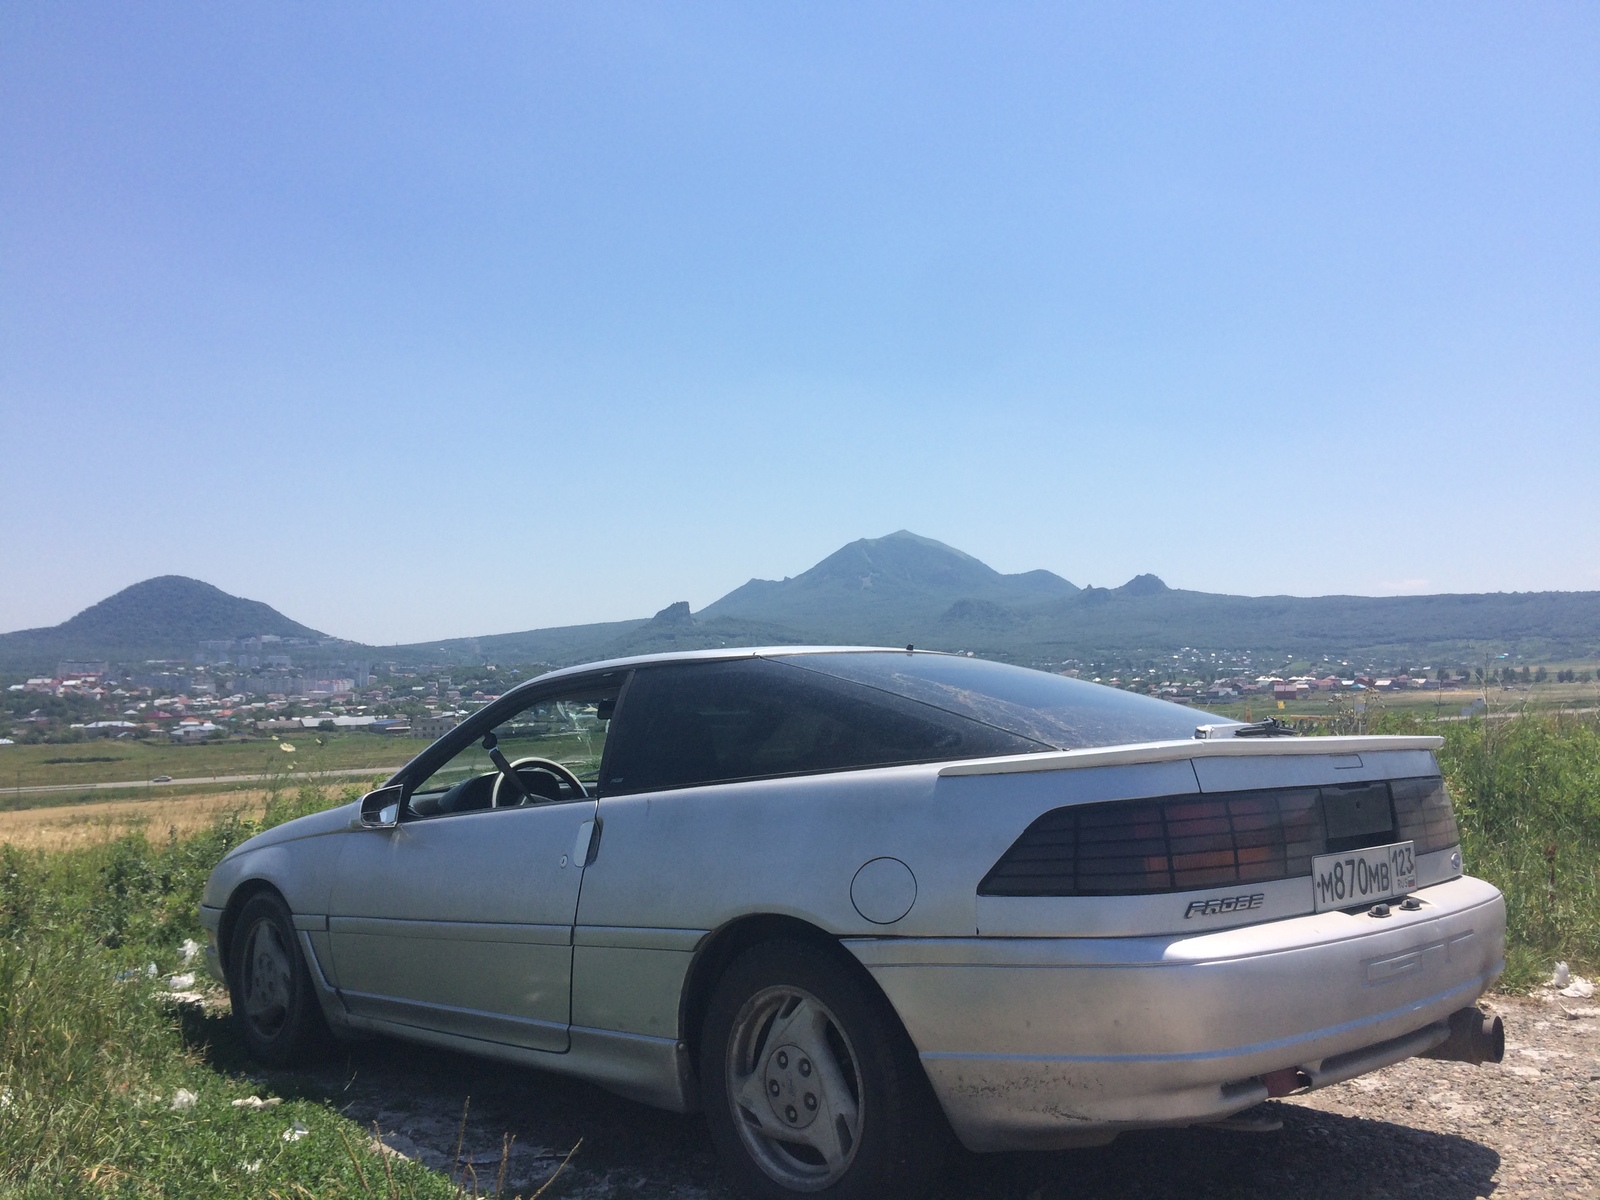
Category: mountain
<point>905,588</point>
<point>165,617</point>
<point>877,589</point>
<point>890,591</point>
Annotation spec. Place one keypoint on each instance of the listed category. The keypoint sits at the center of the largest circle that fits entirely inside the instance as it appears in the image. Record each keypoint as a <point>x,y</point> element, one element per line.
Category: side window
<point>714,722</point>
<point>569,730</point>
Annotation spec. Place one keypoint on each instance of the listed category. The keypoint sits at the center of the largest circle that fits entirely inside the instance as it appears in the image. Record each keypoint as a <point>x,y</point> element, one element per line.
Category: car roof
<point>720,653</point>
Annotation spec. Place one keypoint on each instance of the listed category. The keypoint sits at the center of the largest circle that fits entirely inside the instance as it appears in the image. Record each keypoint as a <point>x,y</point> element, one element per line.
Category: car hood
<point>332,820</point>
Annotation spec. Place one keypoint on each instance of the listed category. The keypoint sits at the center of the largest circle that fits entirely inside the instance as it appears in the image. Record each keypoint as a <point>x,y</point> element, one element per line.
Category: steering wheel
<point>538,764</point>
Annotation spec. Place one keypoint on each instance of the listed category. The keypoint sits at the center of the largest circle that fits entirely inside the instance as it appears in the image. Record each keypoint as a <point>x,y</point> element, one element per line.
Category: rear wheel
<point>274,1003</point>
<point>811,1086</point>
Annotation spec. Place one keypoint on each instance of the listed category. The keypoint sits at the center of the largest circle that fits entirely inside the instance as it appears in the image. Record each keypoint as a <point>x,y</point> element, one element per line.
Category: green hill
<point>165,617</point>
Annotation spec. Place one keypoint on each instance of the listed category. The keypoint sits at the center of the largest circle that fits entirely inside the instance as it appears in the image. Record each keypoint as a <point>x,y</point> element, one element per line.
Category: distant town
<point>250,688</point>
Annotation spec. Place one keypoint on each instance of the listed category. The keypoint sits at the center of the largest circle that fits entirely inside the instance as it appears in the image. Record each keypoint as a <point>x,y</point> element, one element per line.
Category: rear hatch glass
<point>1057,710</point>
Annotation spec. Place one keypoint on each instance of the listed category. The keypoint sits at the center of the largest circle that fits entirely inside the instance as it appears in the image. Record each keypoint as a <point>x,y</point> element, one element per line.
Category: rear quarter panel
<point>695,859</point>
<point>700,857</point>
<point>672,866</point>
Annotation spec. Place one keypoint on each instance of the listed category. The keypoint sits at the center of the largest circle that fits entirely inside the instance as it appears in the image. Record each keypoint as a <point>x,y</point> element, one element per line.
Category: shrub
<point>1527,793</point>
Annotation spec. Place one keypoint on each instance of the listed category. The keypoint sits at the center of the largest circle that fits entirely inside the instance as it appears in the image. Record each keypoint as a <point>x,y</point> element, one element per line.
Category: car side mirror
<point>381,809</point>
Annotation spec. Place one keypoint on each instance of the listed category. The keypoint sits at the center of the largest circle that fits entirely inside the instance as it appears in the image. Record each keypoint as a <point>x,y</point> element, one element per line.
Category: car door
<point>460,919</point>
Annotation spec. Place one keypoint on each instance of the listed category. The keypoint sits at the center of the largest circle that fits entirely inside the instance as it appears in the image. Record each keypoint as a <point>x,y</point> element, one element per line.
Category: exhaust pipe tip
<point>1493,1035</point>
<point>1475,1037</point>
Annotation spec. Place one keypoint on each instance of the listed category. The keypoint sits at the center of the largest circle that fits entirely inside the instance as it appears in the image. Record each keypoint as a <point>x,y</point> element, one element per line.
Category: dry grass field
<point>65,827</point>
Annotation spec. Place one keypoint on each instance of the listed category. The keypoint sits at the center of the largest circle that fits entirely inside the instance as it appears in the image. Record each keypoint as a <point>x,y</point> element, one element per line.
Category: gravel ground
<point>1444,1131</point>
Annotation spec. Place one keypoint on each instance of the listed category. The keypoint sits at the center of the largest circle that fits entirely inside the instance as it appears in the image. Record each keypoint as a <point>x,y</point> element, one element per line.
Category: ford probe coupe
<point>849,901</point>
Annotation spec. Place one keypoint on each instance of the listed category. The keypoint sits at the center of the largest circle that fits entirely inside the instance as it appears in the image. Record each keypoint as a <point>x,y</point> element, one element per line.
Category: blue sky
<point>418,321</point>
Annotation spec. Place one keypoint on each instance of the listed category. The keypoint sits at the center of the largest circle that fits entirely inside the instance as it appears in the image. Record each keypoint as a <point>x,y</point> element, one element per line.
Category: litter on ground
<point>256,1102</point>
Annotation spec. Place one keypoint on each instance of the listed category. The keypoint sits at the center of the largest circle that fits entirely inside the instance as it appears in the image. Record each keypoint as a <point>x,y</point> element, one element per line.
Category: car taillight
<point>1183,843</point>
<point>1423,814</point>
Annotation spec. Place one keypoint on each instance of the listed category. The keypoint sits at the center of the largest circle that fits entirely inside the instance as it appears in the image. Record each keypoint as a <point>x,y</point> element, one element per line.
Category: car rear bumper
<point>1034,1043</point>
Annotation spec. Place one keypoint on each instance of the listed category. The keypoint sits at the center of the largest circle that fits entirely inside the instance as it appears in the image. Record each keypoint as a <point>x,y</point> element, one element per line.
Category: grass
<point>96,1068</point>
<point>1527,794</point>
<point>111,761</point>
<point>151,794</point>
<point>61,826</point>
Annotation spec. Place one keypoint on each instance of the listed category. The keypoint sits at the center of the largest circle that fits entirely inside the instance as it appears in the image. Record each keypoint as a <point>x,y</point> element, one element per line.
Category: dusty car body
<point>1077,911</point>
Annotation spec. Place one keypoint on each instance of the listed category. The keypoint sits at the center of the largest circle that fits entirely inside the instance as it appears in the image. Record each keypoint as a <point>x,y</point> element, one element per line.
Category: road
<point>1507,714</point>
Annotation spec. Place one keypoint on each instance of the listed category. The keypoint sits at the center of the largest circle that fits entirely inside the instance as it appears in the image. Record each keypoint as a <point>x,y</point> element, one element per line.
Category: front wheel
<point>270,987</point>
<point>811,1086</point>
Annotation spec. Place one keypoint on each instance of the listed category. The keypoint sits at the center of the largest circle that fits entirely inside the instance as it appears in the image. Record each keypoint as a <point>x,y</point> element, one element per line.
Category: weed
<point>92,1058</point>
<point>1527,794</point>
<point>1526,786</point>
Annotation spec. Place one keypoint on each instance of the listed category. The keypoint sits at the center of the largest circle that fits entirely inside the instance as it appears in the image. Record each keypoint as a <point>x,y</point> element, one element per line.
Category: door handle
<point>586,843</point>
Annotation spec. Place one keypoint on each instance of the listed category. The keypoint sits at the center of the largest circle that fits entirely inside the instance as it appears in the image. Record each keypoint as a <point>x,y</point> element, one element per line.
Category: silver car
<point>850,901</point>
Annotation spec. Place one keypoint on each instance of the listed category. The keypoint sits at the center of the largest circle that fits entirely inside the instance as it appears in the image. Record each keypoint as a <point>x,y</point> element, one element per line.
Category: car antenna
<point>909,647</point>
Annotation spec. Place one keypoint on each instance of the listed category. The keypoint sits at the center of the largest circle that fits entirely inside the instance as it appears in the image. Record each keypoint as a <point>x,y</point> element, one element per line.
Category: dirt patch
<point>1538,1111</point>
<point>1425,1129</point>
<point>63,827</point>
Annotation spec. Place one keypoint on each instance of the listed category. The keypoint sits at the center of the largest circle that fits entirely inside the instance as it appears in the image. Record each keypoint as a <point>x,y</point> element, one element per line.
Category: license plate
<point>1363,876</point>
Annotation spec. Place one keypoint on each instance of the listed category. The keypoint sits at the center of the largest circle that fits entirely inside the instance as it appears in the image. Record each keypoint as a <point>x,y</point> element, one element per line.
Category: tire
<point>275,1006</point>
<point>811,1086</point>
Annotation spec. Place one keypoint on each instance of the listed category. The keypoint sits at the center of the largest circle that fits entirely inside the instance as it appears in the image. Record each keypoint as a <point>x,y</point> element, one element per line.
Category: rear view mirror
<point>381,809</point>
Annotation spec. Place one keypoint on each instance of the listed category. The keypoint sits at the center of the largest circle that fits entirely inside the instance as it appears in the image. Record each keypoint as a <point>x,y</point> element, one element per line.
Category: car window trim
<point>515,701</point>
<point>618,719</point>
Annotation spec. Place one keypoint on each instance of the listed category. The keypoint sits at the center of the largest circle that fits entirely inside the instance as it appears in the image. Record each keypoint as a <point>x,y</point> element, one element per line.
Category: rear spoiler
<point>1153,752</point>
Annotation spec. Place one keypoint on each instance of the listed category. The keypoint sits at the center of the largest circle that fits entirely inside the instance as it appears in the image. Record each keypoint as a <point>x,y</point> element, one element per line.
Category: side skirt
<point>654,1071</point>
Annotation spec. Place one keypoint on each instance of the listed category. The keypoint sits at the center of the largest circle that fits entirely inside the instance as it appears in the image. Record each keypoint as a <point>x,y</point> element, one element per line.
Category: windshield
<point>1066,713</point>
